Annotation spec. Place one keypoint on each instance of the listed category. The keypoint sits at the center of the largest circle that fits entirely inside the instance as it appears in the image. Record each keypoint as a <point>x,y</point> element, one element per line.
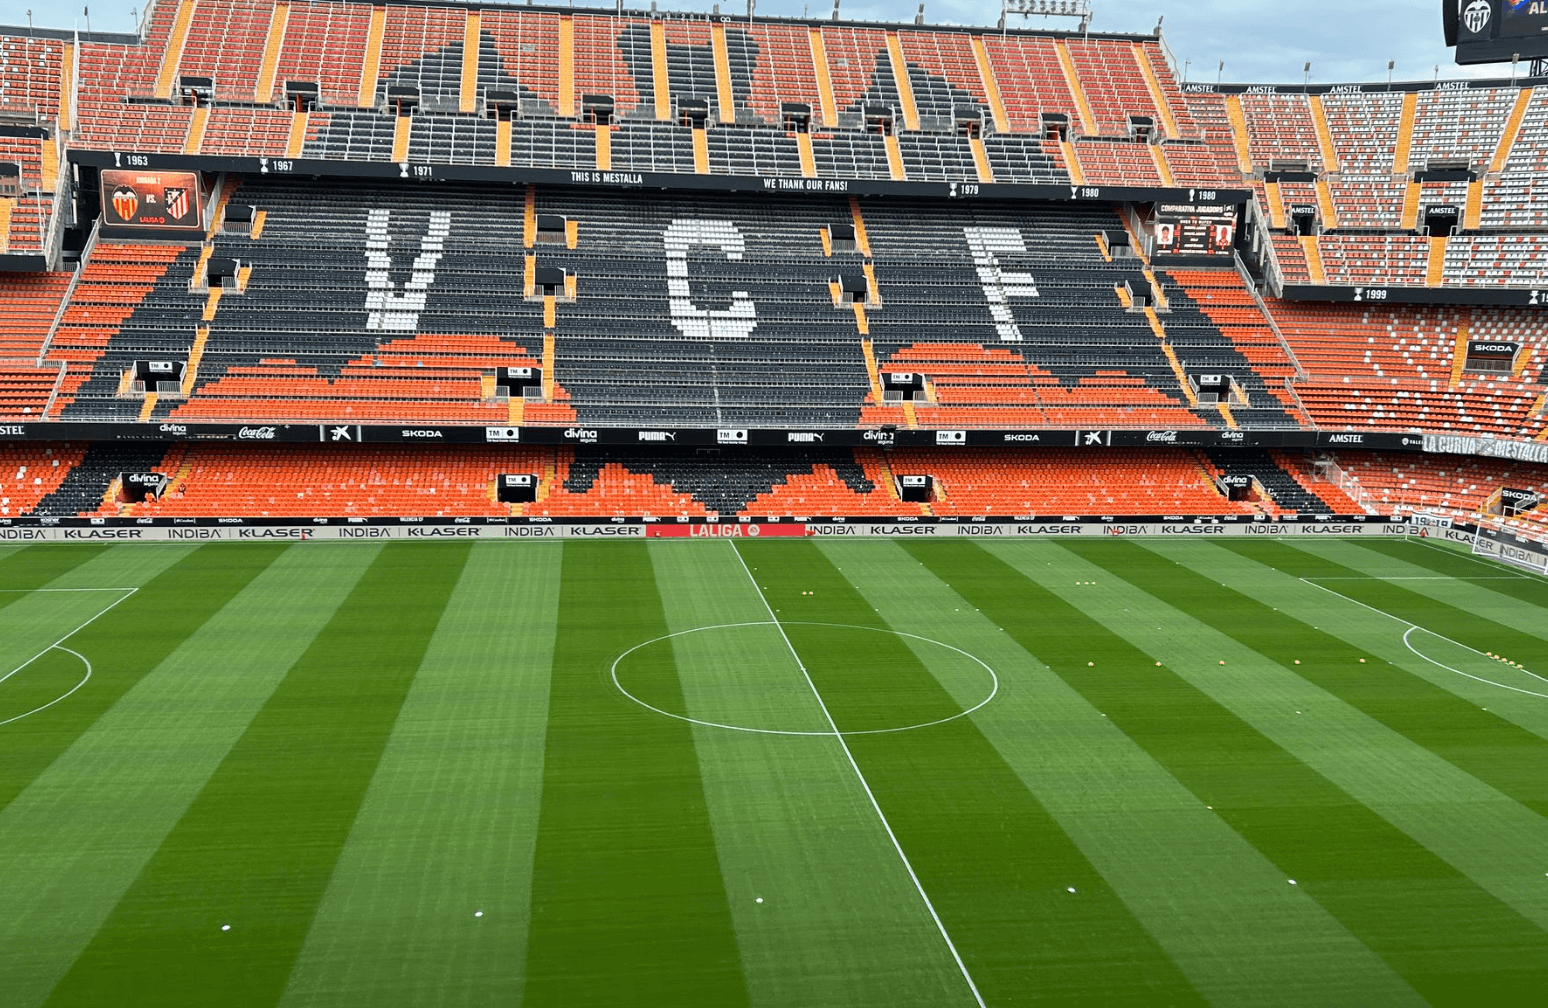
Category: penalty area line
<point>1522,573</point>
<point>860,775</point>
<point>1409,644</point>
<point>101,613</point>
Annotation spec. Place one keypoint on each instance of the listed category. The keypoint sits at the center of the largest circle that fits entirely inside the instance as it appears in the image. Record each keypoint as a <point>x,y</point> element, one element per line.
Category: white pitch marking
<point>1491,564</point>
<point>1439,577</point>
<point>994,690</point>
<point>84,680</point>
<point>72,633</point>
<point>57,644</point>
<point>860,775</point>
<point>1415,626</point>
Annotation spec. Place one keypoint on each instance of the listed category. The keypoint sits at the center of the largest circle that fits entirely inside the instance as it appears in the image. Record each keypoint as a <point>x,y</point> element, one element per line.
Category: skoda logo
<point>1476,16</point>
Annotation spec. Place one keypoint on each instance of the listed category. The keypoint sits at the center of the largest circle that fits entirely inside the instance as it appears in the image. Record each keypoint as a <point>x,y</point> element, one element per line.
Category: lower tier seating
<point>31,470</point>
<point>244,480</point>
<point>1459,486</point>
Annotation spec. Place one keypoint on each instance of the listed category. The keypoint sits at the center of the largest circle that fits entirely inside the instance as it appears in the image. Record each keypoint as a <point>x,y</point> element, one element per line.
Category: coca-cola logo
<point>256,433</point>
<point>1161,435</point>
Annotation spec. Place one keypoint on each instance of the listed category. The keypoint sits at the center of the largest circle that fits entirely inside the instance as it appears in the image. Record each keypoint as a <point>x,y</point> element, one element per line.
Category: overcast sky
<point>1267,41</point>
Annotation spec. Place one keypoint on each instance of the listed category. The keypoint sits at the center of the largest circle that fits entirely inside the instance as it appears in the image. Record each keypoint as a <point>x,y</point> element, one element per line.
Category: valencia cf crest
<point>176,202</point>
<point>1475,16</point>
<point>125,202</point>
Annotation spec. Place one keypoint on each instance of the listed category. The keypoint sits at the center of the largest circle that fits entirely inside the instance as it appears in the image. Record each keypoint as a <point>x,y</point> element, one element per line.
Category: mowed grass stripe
<point>1519,602</point>
<point>1503,755</point>
<point>257,846</point>
<point>840,924</point>
<point>448,824</point>
<point>32,618</point>
<point>1451,559</point>
<point>28,567</point>
<point>77,837</point>
<point>178,590</point>
<point>1492,839</point>
<point>1446,937</point>
<point>1218,907</point>
<point>994,862</point>
<point>628,903</point>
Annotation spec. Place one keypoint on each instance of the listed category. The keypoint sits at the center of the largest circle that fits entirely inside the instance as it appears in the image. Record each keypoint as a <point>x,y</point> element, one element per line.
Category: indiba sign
<point>152,199</point>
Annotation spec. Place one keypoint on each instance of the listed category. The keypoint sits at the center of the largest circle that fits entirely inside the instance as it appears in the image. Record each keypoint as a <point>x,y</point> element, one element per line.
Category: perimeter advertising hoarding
<point>723,531</point>
<point>1194,229</point>
<point>156,200</point>
<point>1180,527</point>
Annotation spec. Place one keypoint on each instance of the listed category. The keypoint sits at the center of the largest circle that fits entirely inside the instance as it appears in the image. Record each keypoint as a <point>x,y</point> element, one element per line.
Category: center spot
<point>743,677</point>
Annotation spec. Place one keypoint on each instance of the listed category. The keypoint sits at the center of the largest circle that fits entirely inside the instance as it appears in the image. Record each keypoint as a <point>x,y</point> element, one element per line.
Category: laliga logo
<point>1476,16</point>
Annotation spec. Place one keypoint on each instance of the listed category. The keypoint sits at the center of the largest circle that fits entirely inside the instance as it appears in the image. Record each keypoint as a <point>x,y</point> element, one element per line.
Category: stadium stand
<point>765,276</point>
<point>1456,486</point>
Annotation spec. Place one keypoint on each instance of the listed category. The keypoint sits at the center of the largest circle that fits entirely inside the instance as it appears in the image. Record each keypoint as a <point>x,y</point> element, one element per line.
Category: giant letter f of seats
<point>736,322</point>
<point>1000,286</point>
<point>388,309</point>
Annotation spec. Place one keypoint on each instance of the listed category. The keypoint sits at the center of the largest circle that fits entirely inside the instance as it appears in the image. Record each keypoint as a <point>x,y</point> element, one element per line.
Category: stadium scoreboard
<point>1496,31</point>
<point>153,200</point>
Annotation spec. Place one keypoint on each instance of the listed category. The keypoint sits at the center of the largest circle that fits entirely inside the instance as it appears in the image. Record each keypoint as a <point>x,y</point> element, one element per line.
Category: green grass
<point>403,775</point>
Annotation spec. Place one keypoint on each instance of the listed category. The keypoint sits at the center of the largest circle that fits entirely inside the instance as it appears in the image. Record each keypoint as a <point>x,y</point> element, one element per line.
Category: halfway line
<point>918,886</point>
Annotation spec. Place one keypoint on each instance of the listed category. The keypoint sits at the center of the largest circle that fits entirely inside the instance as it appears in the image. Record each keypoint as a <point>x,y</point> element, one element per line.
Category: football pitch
<point>783,774</point>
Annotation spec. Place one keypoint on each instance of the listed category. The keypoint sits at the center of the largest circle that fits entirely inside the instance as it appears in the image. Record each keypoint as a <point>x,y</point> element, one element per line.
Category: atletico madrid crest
<point>176,202</point>
<point>125,202</point>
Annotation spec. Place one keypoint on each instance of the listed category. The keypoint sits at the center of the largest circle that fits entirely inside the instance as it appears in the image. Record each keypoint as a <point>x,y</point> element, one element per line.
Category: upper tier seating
<point>406,82</point>
<point>364,60</point>
<point>1373,154</point>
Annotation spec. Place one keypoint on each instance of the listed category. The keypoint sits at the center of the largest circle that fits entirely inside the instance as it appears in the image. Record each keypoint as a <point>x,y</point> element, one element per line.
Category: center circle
<point>762,656</point>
